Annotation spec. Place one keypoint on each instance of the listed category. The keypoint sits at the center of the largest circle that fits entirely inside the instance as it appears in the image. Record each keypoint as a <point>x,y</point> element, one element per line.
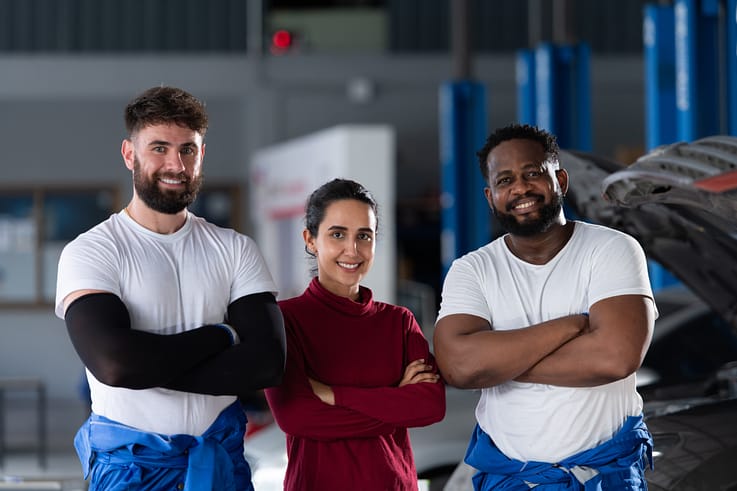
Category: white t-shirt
<point>169,283</point>
<point>536,421</point>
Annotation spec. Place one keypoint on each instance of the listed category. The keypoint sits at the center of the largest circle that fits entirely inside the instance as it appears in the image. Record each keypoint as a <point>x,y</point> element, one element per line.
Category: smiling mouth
<point>350,266</point>
<point>525,203</point>
<point>172,181</point>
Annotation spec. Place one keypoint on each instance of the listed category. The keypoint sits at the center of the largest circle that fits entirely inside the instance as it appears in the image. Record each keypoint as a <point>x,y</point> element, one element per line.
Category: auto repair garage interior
<point>615,80</point>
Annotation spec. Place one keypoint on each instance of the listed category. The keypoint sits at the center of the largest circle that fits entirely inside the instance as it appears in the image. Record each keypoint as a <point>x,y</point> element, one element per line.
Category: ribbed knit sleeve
<point>408,406</point>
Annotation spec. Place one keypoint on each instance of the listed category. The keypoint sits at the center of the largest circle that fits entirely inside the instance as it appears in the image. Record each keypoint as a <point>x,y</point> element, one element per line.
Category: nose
<point>520,187</point>
<point>174,162</point>
<point>351,247</point>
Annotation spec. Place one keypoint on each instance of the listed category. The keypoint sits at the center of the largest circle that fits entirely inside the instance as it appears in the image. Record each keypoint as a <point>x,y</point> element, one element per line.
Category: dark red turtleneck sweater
<point>360,349</point>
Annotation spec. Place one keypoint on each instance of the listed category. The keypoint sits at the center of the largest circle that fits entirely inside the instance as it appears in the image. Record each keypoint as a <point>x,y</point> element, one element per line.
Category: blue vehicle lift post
<point>465,216</point>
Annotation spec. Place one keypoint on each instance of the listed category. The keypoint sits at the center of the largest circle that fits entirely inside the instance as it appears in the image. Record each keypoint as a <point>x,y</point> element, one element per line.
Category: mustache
<point>514,203</point>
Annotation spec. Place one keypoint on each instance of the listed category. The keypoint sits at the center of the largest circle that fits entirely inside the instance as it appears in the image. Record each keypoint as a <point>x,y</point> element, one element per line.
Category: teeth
<point>522,206</point>
<point>170,181</point>
<point>348,266</point>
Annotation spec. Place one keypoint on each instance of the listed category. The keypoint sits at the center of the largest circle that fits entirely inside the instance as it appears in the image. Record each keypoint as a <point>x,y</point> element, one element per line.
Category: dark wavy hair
<point>164,105</point>
<point>513,132</point>
<point>330,192</point>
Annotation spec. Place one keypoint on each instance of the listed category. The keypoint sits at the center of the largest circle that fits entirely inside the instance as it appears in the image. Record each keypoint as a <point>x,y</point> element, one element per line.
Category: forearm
<point>582,362</point>
<point>471,356</point>
<point>612,349</point>
<point>238,370</point>
<point>409,406</point>
<point>99,328</point>
<point>300,413</point>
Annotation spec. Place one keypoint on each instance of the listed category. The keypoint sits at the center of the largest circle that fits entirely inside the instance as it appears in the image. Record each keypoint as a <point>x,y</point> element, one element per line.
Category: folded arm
<point>471,355</point>
<point>299,412</point>
<point>100,329</point>
<point>611,349</point>
<point>418,399</point>
<point>255,363</point>
<point>199,360</point>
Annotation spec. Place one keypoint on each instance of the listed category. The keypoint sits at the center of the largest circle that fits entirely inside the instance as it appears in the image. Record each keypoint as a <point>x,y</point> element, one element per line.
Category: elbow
<point>613,368</point>
<point>272,376</point>
<point>461,374</point>
<point>274,370</point>
<point>116,375</point>
<point>439,413</point>
<point>462,380</point>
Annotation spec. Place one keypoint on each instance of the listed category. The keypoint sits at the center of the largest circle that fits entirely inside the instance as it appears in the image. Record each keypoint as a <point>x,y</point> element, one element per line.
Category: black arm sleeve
<point>100,330</point>
<point>257,362</point>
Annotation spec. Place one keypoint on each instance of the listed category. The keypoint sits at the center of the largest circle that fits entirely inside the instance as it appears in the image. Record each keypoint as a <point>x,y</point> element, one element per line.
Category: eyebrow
<point>342,228</point>
<point>535,165</point>
<point>156,143</point>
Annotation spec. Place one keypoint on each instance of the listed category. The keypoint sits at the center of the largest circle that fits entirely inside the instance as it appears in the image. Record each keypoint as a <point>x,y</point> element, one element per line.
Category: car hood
<point>679,202</point>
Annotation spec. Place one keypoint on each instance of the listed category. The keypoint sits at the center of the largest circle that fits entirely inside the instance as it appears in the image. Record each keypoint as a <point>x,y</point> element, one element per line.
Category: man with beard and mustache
<point>550,321</point>
<point>172,316</point>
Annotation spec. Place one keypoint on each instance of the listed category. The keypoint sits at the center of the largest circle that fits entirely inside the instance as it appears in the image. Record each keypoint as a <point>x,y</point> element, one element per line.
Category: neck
<point>161,223</point>
<point>540,248</point>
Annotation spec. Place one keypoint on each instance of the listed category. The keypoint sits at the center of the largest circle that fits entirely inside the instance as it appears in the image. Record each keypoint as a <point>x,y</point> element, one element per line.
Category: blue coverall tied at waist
<point>125,458</point>
<point>618,463</point>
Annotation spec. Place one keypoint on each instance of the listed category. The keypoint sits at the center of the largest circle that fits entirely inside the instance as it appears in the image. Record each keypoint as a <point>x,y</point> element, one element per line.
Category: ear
<point>562,176</point>
<point>309,240</point>
<point>487,193</point>
<point>128,152</point>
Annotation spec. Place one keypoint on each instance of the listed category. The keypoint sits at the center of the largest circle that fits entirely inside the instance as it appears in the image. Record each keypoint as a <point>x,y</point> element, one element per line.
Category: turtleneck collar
<point>342,304</point>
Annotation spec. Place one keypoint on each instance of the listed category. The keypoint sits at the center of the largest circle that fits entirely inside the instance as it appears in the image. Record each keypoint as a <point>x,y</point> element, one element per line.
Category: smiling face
<point>166,160</point>
<point>525,190</point>
<point>344,246</point>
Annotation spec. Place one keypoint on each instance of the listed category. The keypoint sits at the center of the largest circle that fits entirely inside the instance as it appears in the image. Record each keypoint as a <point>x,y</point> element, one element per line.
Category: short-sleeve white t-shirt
<point>169,283</point>
<point>536,421</point>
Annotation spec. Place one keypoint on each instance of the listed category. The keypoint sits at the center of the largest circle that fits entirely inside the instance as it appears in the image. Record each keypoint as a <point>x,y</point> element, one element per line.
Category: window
<point>35,225</point>
<point>219,204</point>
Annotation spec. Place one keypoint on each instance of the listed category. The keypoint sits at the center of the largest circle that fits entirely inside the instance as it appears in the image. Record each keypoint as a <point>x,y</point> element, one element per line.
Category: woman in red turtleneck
<point>359,372</point>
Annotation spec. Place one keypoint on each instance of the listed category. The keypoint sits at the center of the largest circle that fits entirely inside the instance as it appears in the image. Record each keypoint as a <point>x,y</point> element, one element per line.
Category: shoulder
<point>216,233</point>
<point>594,234</point>
<point>294,304</point>
<point>107,233</point>
<point>482,258</point>
<point>391,309</point>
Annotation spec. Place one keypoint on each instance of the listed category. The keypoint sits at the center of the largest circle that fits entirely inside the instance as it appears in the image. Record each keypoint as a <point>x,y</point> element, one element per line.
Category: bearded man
<point>172,316</point>
<point>550,321</point>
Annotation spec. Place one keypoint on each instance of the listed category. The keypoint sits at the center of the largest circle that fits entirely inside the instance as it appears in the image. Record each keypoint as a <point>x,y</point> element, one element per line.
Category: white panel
<point>283,176</point>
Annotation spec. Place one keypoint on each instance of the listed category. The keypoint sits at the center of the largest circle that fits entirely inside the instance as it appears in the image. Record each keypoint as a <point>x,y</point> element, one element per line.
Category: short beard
<point>168,202</point>
<point>548,216</point>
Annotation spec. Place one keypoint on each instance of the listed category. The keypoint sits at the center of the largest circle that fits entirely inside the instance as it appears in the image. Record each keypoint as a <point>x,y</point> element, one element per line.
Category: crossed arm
<point>200,360</point>
<point>306,407</point>
<point>574,351</point>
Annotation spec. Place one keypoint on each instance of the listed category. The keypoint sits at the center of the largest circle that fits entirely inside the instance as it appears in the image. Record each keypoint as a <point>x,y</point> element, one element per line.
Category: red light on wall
<point>282,40</point>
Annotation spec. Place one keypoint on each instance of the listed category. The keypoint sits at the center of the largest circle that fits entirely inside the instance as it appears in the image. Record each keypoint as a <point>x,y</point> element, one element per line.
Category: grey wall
<point>61,122</point>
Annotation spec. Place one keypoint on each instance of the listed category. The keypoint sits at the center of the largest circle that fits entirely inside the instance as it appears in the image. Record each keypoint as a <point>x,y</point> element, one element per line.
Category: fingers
<point>417,372</point>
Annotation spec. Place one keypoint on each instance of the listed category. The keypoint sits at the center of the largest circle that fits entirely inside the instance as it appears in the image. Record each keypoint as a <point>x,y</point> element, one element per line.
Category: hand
<point>417,372</point>
<point>323,391</point>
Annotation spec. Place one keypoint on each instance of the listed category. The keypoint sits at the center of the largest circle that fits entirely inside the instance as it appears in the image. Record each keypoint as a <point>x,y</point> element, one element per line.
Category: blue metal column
<point>525,76</point>
<point>546,102</point>
<point>697,69</point>
<point>553,90</point>
<point>466,218</point>
<point>660,75</point>
<point>580,93</point>
<point>730,53</point>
